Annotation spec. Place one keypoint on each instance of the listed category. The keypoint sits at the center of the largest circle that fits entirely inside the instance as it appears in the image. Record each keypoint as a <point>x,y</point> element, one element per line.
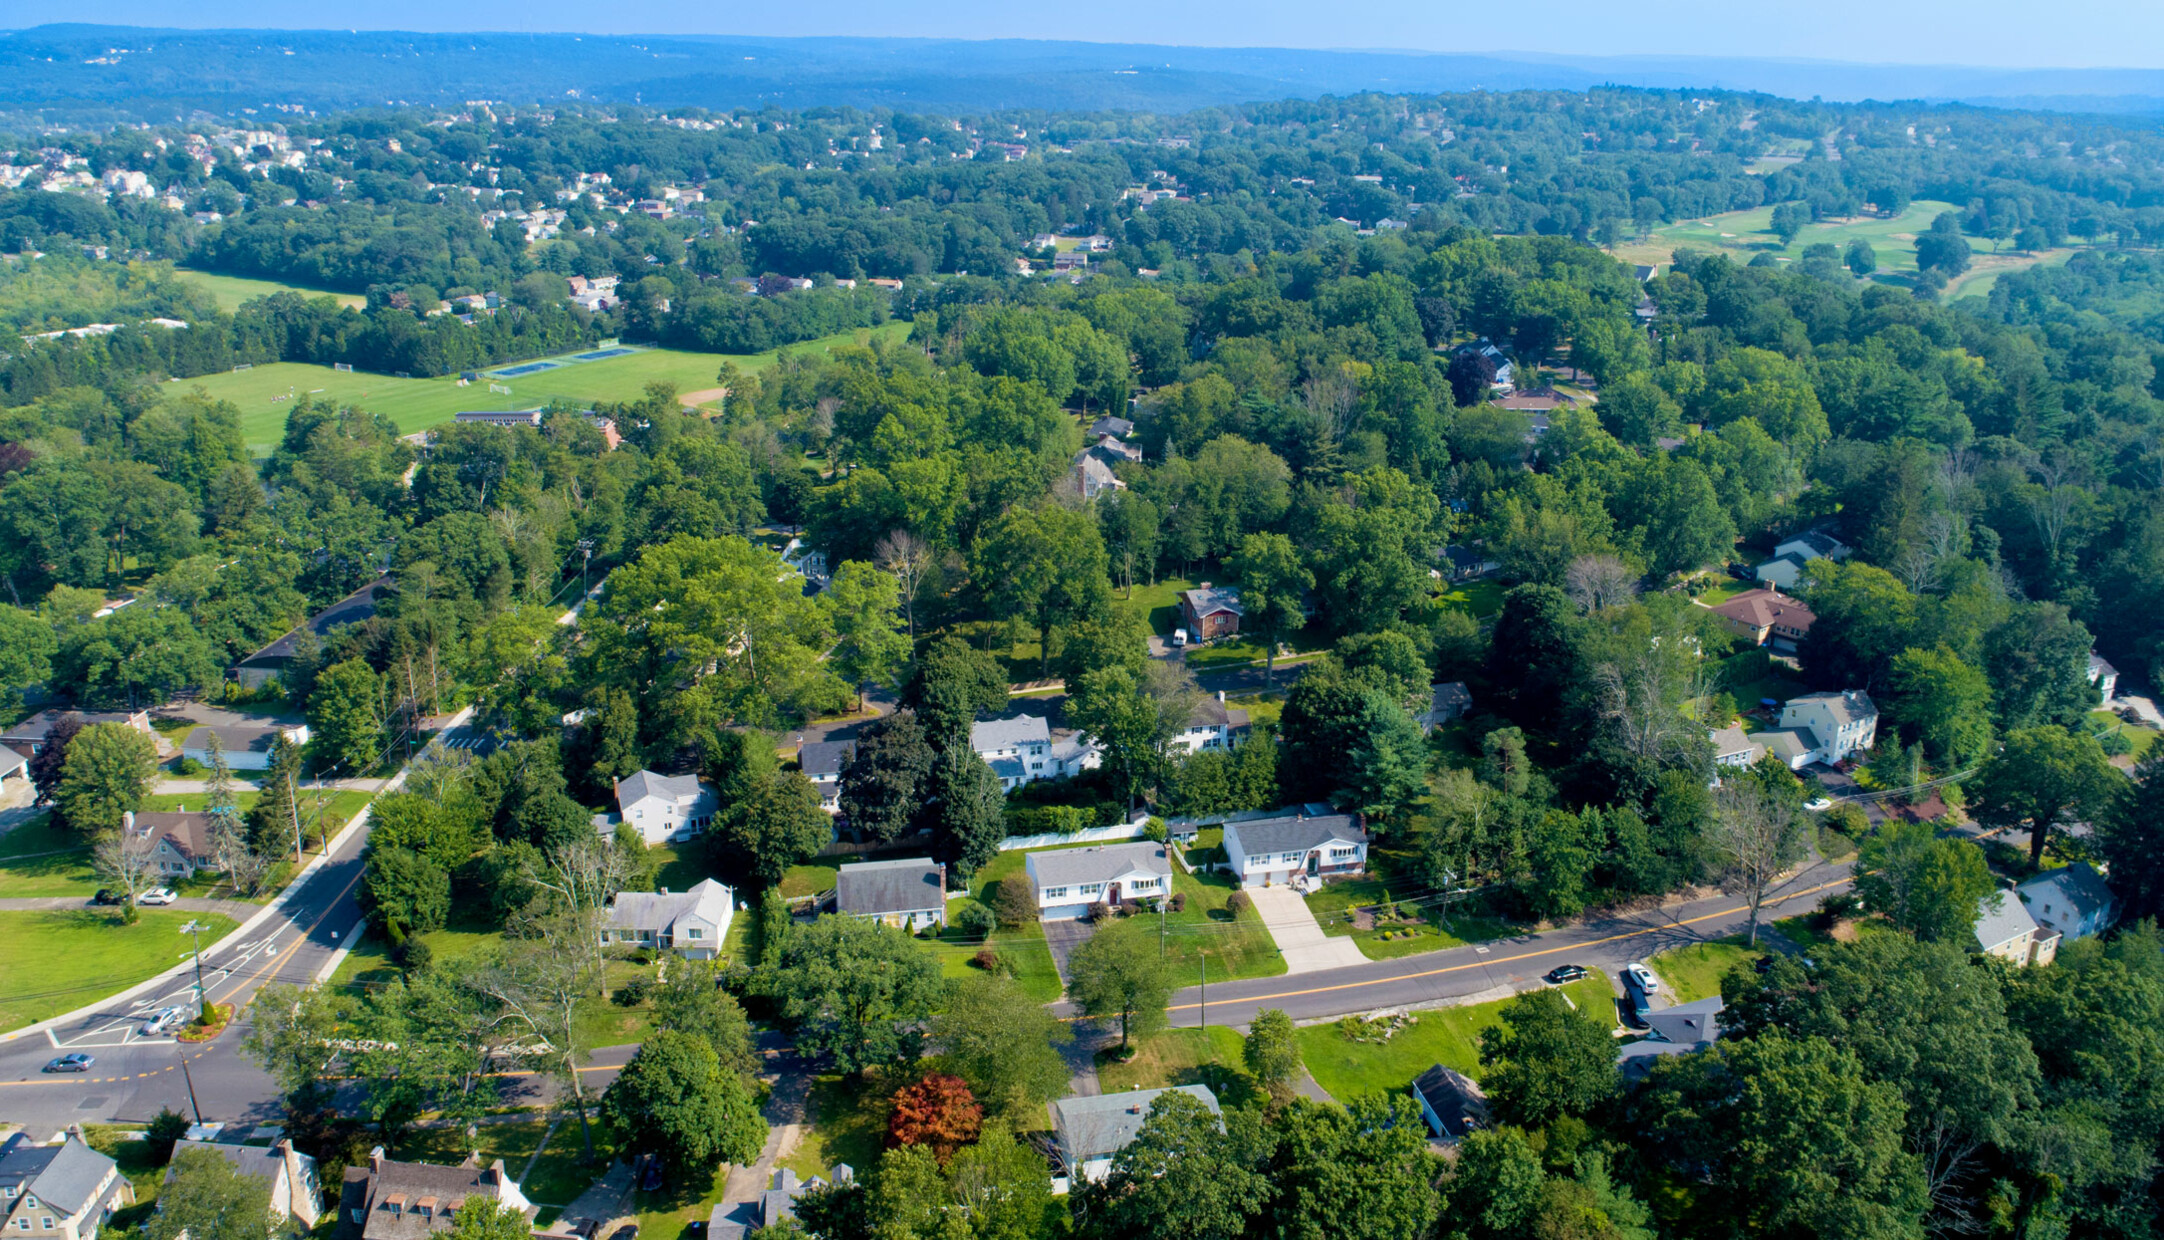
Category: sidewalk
<point>1299,936</point>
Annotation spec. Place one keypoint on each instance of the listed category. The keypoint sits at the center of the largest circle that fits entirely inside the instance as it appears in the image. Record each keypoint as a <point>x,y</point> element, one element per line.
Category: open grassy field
<point>1209,1057</point>
<point>40,834</point>
<point>231,291</point>
<point>266,393</point>
<point>1693,973</point>
<point>58,961</point>
<point>1393,937</point>
<point>1450,1037</point>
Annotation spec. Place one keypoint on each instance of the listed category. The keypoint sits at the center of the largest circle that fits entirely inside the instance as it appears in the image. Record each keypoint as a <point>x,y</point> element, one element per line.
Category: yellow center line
<point>1545,951</point>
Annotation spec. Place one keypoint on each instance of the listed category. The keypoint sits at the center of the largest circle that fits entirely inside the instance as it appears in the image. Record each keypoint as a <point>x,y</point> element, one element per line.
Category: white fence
<point>1088,835</point>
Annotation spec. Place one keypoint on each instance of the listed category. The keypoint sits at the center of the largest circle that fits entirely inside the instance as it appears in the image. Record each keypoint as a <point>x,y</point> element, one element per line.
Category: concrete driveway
<point>1298,935</point>
<point>1063,936</point>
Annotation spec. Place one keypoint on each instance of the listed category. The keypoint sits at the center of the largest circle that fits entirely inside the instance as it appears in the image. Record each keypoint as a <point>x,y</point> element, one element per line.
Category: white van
<point>1179,639</point>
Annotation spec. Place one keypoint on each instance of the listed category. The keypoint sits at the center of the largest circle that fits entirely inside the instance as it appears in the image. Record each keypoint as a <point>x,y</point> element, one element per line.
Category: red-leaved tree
<point>937,1112</point>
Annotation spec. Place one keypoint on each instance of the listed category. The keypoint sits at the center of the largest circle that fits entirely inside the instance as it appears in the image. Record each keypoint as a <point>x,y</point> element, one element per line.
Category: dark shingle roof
<point>352,609</point>
<point>825,759</point>
<point>874,887</point>
<point>1456,1101</point>
<point>1296,833</point>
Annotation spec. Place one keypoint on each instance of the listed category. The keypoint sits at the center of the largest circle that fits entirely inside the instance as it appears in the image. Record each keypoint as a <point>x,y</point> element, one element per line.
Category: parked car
<point>1179,639</point>
<point>107,895</point>
<point>1819,805</point>
<point>158,895</point>
<point>1564,973</point>
<point>163,1020</point>
<point>75,1062</point>
<point>1642,977</point>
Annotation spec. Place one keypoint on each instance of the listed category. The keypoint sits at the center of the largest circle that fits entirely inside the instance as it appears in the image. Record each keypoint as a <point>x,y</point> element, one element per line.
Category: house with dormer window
<point>58,1192</point>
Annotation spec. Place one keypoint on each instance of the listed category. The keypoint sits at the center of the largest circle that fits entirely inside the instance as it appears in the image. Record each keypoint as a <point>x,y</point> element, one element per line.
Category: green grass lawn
<point>231,291</point>
<point>58,961</point>
<point>1801,931</point>
<point>1425,931</point>
<point>1450,1037</point>
<point>559,1175</point>
<point>40,834</point>
<point>1209,1057</point>
<point>1160,602</point>
<point>1482,598</point>
<point>266,393</point>
<point>848,1125</point>
<point>1693,973</point>
<point>1028,959</point>
<point>2142,739</point>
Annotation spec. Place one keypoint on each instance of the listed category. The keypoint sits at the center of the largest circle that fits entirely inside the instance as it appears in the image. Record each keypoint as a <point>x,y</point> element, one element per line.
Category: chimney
<point>1202,585</point>
<point>375,1159</point>
<point>127,820</point>
<point>1220,697</point>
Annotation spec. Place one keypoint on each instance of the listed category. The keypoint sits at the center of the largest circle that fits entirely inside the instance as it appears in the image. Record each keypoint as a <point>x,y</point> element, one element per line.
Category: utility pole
<point>293,798</point>
<point>193,1105</point>
<point>586,548</point>
<point>194,929</point>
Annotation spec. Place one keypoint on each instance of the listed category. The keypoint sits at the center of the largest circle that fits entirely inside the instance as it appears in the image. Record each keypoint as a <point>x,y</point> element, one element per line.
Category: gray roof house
<point>692,923</point>
<point>1451,1102</point>
<point>180,840</point>
<point>13,765</point>
<point>1446,702</point>
<point>382,1199</point>
<point>2005,929</point>
<point>734,1221</point>
<point>266,664</point>
<point>910,893</point>
<point>245,747</point>
<point>65,1191</point>
<point>1113,425</point>
<point>1677,1030</point>
<point>2072,901</point>
<point>665,807</point>
<point>1732,748</point>
<point>1022,749</point>
<point>1069,880</point>
<point>29,736</point>
<point>288,1175</point>
<point>1090,1131</point>
<point>1211,725</point>
<point>823,762</point>
<point>1302,843</point>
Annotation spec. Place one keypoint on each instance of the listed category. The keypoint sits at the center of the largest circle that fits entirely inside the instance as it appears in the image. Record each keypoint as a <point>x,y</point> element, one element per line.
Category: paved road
<point>135,1075</point>
<point>1505,964</point>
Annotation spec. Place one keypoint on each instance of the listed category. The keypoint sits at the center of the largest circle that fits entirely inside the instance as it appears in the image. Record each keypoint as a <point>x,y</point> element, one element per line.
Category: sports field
<point>231,291</point>
<point>265,393</point>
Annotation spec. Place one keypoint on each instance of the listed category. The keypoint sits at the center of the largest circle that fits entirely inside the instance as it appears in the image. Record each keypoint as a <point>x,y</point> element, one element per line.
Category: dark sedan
<point>1564,973</point>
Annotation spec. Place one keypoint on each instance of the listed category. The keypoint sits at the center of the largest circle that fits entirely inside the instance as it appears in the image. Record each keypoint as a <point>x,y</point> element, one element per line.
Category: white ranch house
<point>1069,880</point>
<point>1304,845</point>
<point>690,923</point>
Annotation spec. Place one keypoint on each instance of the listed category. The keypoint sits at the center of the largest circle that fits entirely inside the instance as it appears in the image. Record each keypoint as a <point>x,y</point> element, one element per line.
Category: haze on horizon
<point>1985,33</point>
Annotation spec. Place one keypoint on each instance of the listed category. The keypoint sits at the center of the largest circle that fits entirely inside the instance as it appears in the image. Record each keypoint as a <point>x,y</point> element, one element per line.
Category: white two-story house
<point>663,807</point>
<point>1022,749</point>
<point>1840,724</point>
<point>1069,880</point>
<point>1299,844</point>
<point>1213,725</point>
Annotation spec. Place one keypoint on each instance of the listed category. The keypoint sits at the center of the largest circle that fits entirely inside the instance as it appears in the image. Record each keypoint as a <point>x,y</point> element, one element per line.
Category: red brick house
<point>1210,613</point>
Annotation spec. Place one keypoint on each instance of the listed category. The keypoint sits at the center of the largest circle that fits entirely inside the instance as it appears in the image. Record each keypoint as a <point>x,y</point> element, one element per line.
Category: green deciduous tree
<point>404,892</point>
<point>1363,1172</point>
<point>2130,836</point>
<point>1928,886</point>
<point>208,1197</point>
<point>1005,1046</point>
<point>863,608</point>
<point>2038,779</point>
<point>854,989</point>
<point>886,783</point>
<point>1271,1053</point>
<point>674,1099</point>
<point>1546,1061</point>
<point>108,772</point>
<point>952,685</point>
<point>1273,592</point>
<point>345,719</point>
<point>1941,701</point>
<point>1121,973</point>
<point>969,815</point>
<point>1183,1175</point>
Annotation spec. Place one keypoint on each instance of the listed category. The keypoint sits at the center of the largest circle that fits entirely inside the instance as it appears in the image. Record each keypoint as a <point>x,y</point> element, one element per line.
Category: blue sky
<point>2012,33</point>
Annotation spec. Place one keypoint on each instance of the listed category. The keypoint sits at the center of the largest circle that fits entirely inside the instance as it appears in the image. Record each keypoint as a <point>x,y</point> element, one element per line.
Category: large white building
<point>1841,723</point>
<point>1296,845</point>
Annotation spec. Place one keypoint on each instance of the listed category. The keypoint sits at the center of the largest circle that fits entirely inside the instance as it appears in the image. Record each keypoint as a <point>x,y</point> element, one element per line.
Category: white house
<point>65,1191</point>
<point>1093,476</point>
<point>1840,724</point>
<point>245,747</point>
<point>1211,726</point>
<point>665,807</point>
<point>2072,902</point>
<point>1306,844</point>
<point>287,1175</point>
<point>1069,880</point>
<point>1786,568</point>
<point>1022,749</point>
<point>2104,676</point>
<point>823,762</point>
<point>691,923</point>
<point>1090,1131</point>
<point>1732,748</point>
<point>910,893</point>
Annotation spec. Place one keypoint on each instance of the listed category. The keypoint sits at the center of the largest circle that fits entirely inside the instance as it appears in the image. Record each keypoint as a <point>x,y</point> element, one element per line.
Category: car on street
<point>158,895</point>
<point>1642,977</point>
<point>1563,973</point>
<point>73,1062</point>
<point>107,895</point>
<point>163,1020</point>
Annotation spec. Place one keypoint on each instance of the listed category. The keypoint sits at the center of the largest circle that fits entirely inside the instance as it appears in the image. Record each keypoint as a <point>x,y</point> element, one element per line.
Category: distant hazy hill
<point>85,70</point>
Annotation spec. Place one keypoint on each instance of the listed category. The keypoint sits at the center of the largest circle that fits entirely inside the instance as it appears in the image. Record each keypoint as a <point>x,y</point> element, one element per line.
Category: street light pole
<point>194,929</point>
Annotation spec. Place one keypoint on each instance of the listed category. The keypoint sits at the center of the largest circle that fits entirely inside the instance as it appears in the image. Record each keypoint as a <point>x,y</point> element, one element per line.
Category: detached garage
<point>1069,880</point>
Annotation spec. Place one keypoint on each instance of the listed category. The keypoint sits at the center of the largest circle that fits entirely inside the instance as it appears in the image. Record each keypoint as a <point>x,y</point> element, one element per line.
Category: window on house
<point>1090,889</point>
<point>694,932</point>
<point>1289,858</point>
<point>1338,854</point>
<point>1055,893</point>
<point>48,1222</point>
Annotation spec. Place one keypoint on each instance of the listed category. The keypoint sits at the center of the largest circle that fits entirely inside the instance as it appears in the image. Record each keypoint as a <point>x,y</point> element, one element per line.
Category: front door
<point>1112,894</point>
<point>1314,863</point>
